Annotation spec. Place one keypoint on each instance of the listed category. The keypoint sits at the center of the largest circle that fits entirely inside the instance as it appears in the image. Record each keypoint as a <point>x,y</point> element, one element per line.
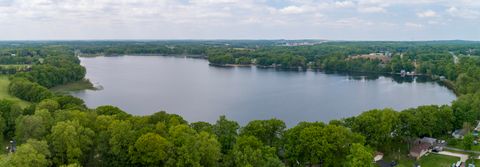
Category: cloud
<point>463,13</point>
<point>292,10</point>
<point>372,9</point>
<point>228,18</point>
<point>413,25</point>
<point>344,4</point>
<point>427,13</point>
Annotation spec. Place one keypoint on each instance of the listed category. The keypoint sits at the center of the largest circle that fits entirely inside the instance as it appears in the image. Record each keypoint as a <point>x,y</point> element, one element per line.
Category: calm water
<point>142,85</point>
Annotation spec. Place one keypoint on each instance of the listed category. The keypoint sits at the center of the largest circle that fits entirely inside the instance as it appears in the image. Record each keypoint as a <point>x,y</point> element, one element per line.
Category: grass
<point>4,81</point>
<point>459,144</point>
<point>476,162</point>
<point>437,160</point>
<point>73,86</point>
<point>430,160</point>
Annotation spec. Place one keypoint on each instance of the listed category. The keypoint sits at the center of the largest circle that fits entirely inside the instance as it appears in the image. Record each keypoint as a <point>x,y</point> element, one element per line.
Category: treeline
<point>55,70</point>
<point>61,130</point>
<point>32,85</point>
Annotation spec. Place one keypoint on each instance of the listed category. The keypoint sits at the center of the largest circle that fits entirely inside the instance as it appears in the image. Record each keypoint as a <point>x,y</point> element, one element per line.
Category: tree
<point>122,137</point>
<point>226,132</point>
<point>33,153</point>
<point>30,127</point>
<point>48,104</point>
<point>9,112</point>
<point>150,150</point>
<point>377,126</point>
<point>249,151</point>
<point>70,142</point>
<point>267,131</point>
<point>318,144</point>
<point>359,156</point>
<point>186,151</point>
<point>112,110</point>
<point>209,149</point>
<point>468,141</point>
<point>202,127</point>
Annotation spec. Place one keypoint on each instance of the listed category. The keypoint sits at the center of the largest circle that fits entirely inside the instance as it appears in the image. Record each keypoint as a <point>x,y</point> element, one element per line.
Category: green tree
<point>122,137</point>
<point>377,126</point>
<point>202,127</point>
<point>359,157</point>
<point>70,142</point>
<point>226,132</point>
<point>268,131</point>
<point>150,150</point>
<point>9,111</point>
<point>186,151</point>
<point>209,149</point>
<point>468,141</point>
<point>30,127</point>
<point>112,110</point>
<point>48,104</point>
<point>249,151</point>
<point>33,153</point>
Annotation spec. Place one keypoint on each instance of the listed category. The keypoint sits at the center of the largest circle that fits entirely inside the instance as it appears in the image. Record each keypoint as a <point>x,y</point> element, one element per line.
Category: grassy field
<point>459,144</point>
<point>430,160</point>
<point>74,86</point>
<point>437,160</point>
<point>4,91</point>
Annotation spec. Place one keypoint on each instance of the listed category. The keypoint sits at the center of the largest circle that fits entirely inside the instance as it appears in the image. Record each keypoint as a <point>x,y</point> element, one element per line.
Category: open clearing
<point>4,91</point>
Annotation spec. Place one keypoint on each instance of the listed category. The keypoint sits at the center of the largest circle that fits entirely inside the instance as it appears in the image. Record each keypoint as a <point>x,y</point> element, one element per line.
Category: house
<point>419,149</point>
<point>429,140</point>
<point>378,156</point>
<point>459,133</point>
<point>478,127</point>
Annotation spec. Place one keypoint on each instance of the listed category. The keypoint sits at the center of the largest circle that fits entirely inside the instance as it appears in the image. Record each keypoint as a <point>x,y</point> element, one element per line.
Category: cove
<point>142,85</point>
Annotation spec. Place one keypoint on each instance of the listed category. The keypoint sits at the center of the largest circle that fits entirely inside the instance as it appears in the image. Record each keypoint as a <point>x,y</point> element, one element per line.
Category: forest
<point>60,130</point>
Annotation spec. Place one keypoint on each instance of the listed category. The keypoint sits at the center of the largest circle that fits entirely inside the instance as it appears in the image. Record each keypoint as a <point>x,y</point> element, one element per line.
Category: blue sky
<point>240,19</point>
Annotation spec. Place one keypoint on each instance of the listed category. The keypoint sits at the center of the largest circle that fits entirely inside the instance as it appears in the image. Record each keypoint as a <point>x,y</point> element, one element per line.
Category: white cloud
<point>372,9</point>
<point>207,18</point>
<point>344,4</point>
<point>292,10</point>
<point>427,13</point>
<point>463,13</point>
<point>413,25</point>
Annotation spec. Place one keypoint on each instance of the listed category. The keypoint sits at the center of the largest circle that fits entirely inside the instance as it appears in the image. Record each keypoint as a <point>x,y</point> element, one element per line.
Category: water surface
<point>142,85</point>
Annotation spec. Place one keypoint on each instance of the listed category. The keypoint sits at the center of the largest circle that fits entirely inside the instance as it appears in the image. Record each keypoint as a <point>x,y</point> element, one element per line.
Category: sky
<point>240,19</point>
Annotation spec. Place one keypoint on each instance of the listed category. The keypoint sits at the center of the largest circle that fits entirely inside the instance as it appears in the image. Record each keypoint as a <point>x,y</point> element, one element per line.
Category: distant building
<point>373,56</point>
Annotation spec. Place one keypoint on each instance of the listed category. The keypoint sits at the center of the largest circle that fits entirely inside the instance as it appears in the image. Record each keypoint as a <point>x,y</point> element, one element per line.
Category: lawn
<point>459,144</point>
<point>437,160</point>
<point>475,161</point>
<point>430,160</point>
<point>4,91</point>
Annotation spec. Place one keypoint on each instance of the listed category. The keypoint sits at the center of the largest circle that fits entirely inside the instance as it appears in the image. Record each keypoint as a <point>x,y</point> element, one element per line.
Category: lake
<point>142,85</point>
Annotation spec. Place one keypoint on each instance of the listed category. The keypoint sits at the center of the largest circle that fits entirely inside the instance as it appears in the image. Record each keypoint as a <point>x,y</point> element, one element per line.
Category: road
<point>455,58</point>
<point>462,150</point>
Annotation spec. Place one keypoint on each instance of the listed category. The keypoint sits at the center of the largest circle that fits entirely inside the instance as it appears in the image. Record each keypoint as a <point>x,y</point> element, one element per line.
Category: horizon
<point>351,20</point>
<point>199,40</point>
